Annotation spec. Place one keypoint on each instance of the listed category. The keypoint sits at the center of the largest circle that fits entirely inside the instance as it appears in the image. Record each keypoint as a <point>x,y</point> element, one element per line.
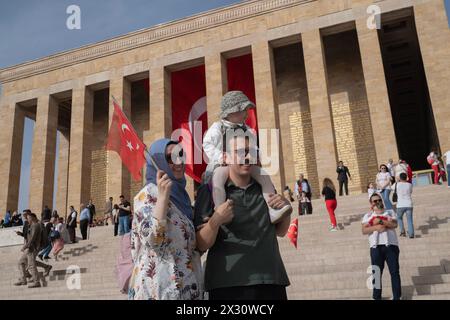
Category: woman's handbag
<point>55,235</point>
<point>395,195</point>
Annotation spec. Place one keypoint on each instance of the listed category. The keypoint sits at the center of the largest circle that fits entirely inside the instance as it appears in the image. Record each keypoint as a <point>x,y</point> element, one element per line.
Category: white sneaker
<point>276,215</point>
<point>333,229</point>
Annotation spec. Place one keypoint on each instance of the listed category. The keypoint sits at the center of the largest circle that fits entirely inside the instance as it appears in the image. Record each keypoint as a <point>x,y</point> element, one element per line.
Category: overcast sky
<point>33,29</point>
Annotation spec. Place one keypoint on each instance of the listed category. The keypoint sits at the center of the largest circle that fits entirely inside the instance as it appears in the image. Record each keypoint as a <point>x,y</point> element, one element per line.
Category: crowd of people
<point>236,218</point>
<point>237,231</point>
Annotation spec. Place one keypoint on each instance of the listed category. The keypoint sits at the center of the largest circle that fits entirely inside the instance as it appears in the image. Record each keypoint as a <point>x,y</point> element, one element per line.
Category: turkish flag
<point>123,139</point>
<point>293,232</point>
<point>240,77</point>
<point>189,113</point>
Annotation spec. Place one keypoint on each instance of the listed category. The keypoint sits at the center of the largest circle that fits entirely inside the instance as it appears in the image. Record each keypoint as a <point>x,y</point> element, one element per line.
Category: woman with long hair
<point>384,184</point>
<point>329,192</point>
<point>57,237</point>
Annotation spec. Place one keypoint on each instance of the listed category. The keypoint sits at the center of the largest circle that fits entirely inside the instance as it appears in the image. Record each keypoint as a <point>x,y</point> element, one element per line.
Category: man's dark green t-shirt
<point>246,250</point>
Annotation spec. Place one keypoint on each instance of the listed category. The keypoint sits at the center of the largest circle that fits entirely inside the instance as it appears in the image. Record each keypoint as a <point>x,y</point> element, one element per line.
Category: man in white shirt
<point>404,191</point>
<point>302,185</point>
<point>447,163</point>
<point>379,224</point>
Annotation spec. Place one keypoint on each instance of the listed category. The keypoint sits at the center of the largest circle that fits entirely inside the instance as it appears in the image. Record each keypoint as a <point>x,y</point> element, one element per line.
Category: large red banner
<point>188,112</point>
<point>240,77</point>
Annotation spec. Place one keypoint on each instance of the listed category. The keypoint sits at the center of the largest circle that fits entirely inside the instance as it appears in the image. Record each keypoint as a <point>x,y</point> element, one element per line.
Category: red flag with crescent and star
<point>293,232</point>
<point>123,139</point>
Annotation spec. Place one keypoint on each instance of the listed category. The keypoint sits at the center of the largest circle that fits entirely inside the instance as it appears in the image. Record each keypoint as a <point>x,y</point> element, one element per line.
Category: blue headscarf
<point>178,195</point>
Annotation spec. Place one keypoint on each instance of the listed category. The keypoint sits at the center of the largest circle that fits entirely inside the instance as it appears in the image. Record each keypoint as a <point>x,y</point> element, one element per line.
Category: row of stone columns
<point>78,171</point>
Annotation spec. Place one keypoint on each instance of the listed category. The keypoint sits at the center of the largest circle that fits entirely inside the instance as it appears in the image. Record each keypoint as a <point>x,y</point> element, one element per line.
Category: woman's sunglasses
<point>179,156</point>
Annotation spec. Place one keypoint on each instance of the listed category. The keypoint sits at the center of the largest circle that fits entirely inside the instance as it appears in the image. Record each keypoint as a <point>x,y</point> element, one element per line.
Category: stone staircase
<point>93,259</point>
<point>326,265</point>
<point>333,265</point>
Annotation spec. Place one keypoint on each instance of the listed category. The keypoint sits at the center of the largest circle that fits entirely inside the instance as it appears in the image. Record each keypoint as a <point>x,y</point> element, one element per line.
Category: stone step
<point>322,266</point>
<point>60,286</point>
<point>49,294</point>
<point>359,280</point>
<point>362,260</point>
<point>432,297</point>
<point>407,292</point>
<point>405,244</point>
<point>330,238</point>
<point>405,251</point>
<point>320,269</point>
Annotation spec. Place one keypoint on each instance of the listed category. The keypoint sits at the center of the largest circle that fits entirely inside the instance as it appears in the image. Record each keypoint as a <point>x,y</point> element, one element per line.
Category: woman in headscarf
<point>166,264</point>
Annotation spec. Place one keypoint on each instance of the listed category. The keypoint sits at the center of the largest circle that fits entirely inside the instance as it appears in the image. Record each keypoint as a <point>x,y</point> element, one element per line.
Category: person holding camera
<point>167,265</point>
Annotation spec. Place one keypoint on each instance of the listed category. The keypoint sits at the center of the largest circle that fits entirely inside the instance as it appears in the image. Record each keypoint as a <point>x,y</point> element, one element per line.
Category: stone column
<point>216,84</point>
<point>118,176</point>
<point>12,121</point>
<point>160,105</point>
<point>79,184</point>
<point>160,112</point>
<point>43,154</point>
<point>319,105</point>
<point>266,102</point>
<point>377,94</point>
<point>63,171</point>
<point>434,40</point>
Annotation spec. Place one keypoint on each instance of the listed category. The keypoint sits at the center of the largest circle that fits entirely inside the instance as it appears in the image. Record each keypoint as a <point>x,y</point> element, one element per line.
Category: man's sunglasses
<point>180,156</point>
<point>377,200</point>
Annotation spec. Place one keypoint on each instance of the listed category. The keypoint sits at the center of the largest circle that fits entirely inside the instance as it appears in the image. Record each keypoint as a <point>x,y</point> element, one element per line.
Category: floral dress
<point>166,264</point>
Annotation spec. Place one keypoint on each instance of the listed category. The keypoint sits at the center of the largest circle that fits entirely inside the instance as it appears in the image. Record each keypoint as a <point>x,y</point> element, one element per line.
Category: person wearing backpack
<point>29,252</point>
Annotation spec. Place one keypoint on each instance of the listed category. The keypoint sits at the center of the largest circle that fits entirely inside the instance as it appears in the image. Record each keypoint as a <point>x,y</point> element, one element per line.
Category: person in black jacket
<point>91,208</point>
<point>16,219</point>
<point>343,176</point>
<point>26,225</point>
<point>72,224</point>
<point>46,214</point>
